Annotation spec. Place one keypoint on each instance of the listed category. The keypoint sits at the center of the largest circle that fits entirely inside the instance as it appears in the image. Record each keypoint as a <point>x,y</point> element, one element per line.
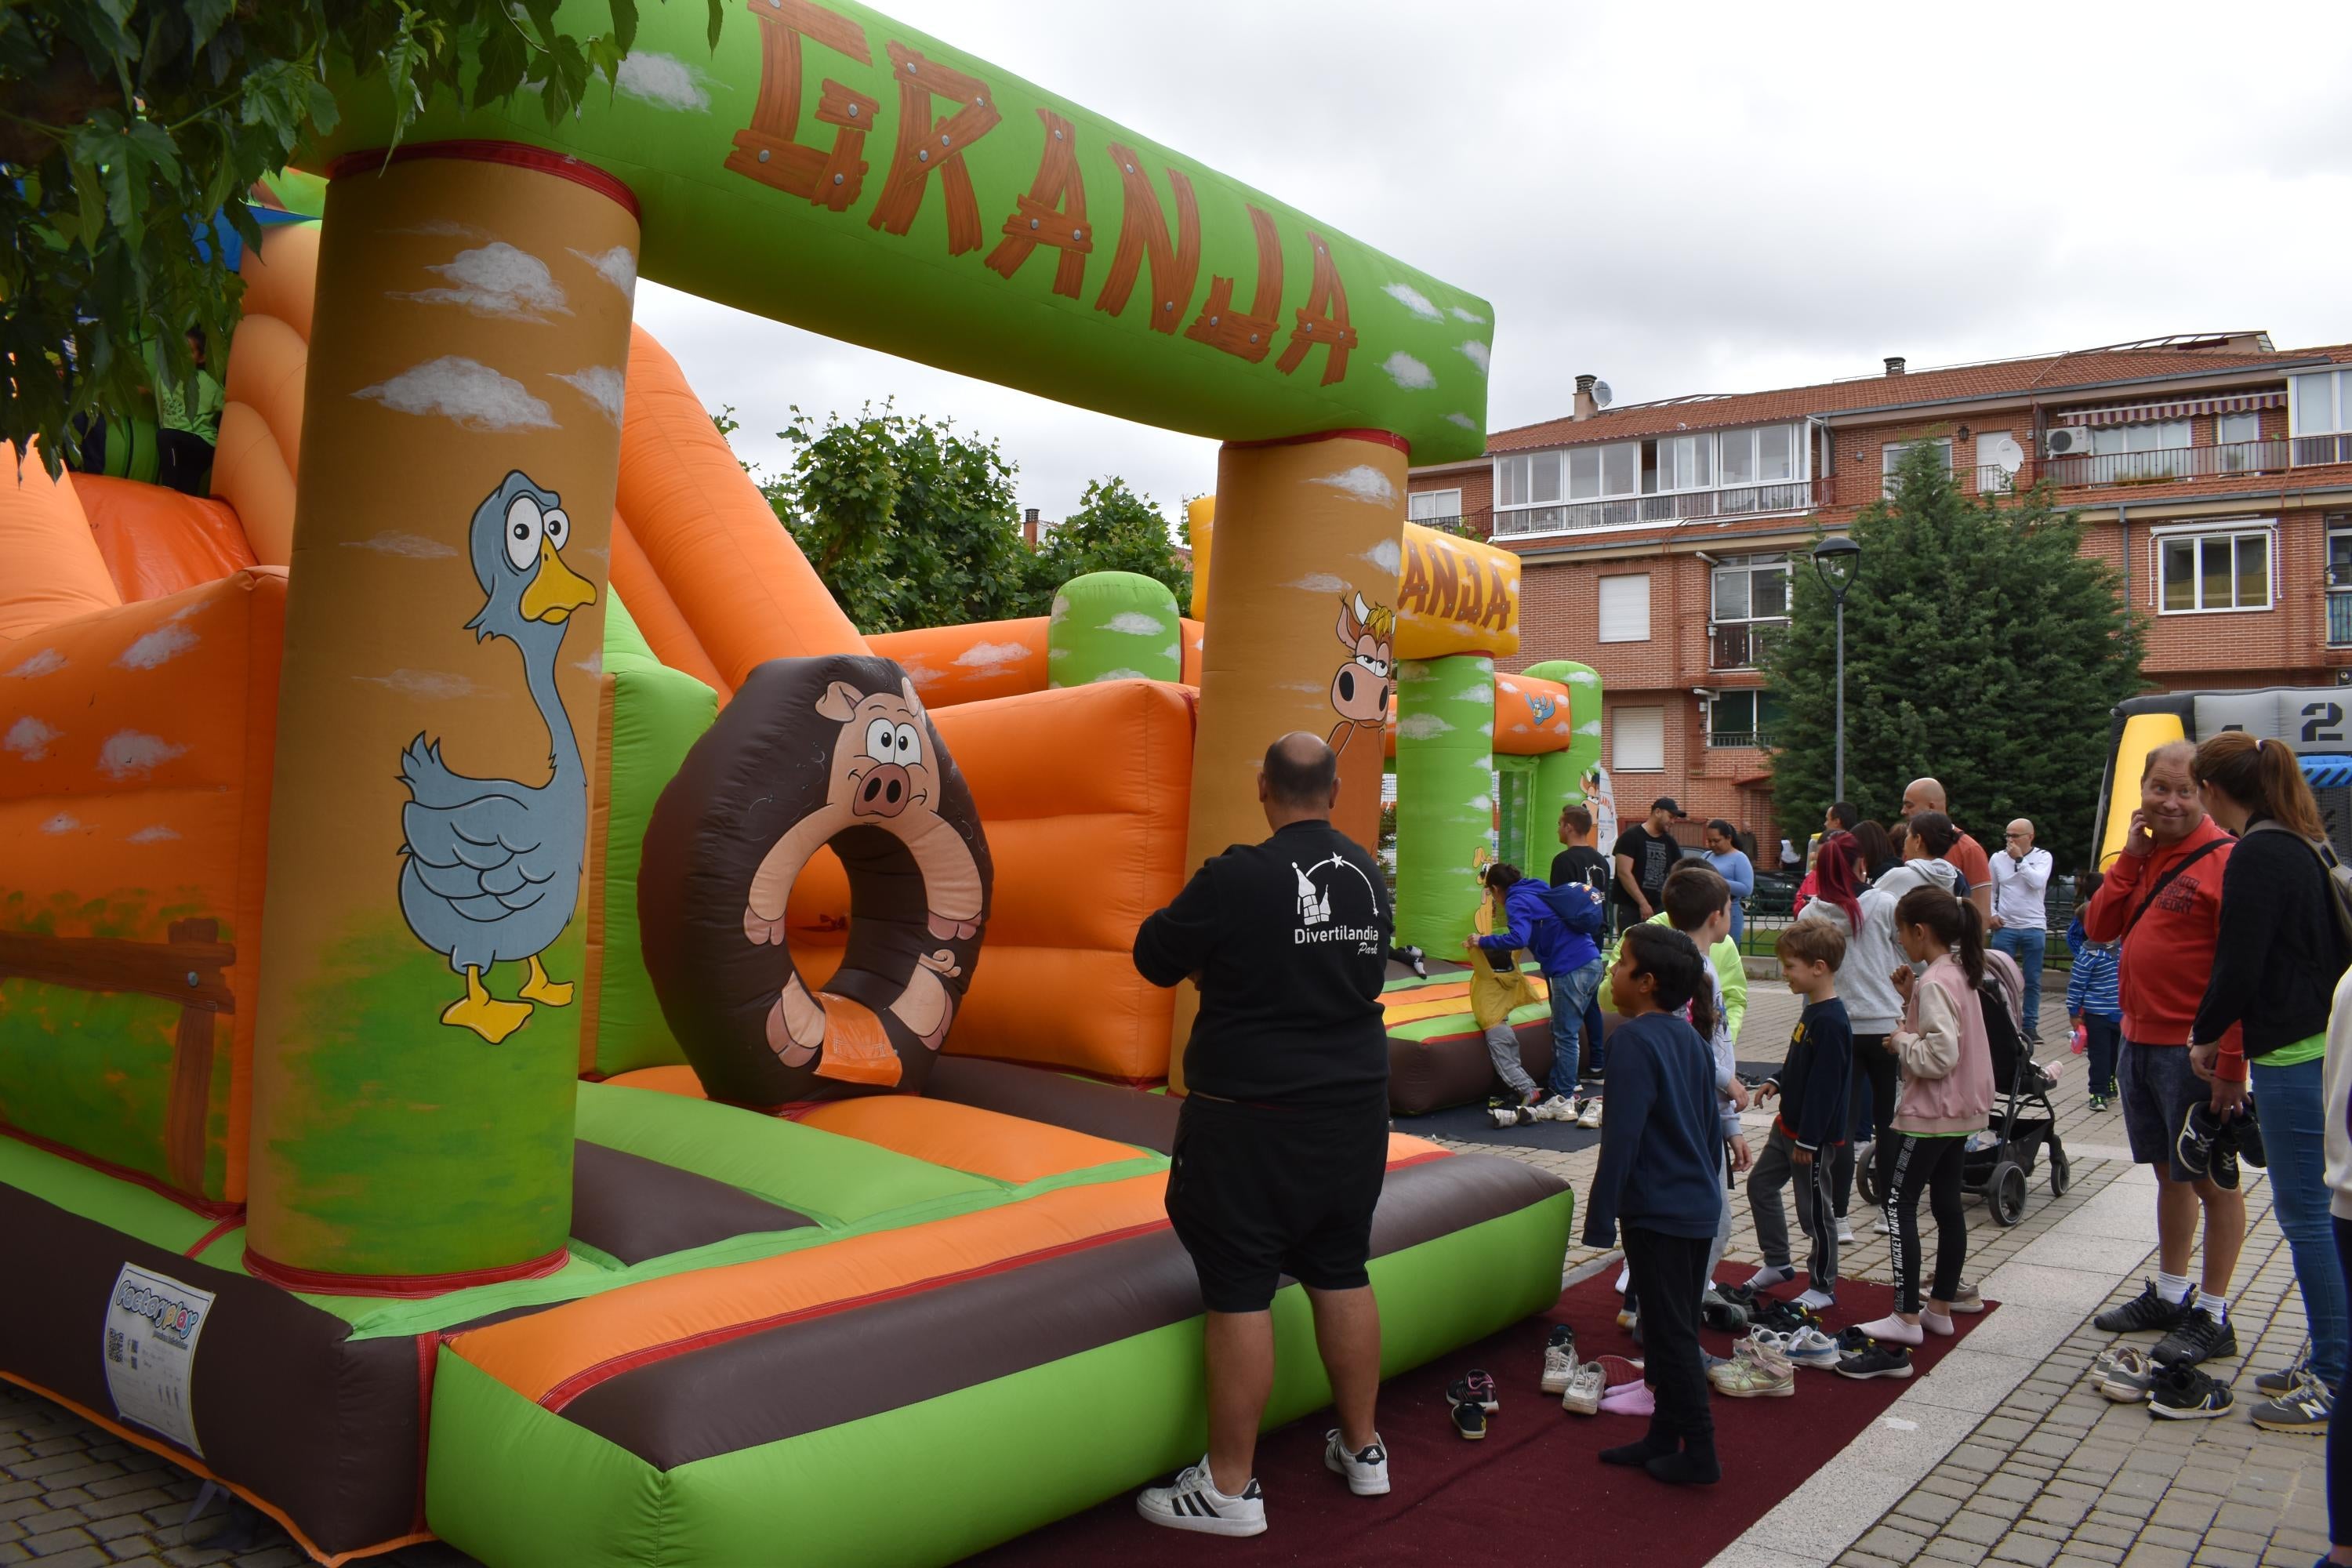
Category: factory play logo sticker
<point>152,1323</point>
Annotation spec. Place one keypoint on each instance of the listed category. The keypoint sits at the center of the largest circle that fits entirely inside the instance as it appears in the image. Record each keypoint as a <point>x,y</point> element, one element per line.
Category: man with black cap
<point>1643,854</point>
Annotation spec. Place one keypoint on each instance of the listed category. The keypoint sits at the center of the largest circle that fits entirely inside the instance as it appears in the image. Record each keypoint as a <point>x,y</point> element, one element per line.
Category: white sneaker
<point>1810,1346</point>
<point>1585,1390</point>
<point>1624,1281</point>
<point>1366,1468</point>
<point>1590,1115</point>
<point>1192,1501</point>
<point>1560,1361</point>
<point>1845,1230</point>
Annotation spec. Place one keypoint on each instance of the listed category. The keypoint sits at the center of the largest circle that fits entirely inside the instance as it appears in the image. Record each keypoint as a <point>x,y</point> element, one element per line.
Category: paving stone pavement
<point>2002,1455</point>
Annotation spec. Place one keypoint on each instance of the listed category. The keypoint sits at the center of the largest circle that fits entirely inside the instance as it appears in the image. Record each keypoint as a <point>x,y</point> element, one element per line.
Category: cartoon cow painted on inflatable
<point>813,754</point>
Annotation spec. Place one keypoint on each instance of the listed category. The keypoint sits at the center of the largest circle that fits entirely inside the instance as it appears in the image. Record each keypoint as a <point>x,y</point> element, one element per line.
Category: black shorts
<point>1258,1192</point>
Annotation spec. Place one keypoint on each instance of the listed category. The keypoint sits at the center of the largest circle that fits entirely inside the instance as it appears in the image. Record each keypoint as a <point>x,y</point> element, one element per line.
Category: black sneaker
<point>1470,1420</point>
<point>2192,1151</point>
<point>1875,1359</point>
<point>2246,1137</point>
<point>2184,1393</point>
<point>2145,1313</point>
<point>2198,1339</point>
<point>1477,1389</point>
<point>1723,1316</point>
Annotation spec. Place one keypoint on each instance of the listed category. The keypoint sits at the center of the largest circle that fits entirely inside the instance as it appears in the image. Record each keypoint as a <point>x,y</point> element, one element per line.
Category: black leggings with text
<point>1909,1166</point>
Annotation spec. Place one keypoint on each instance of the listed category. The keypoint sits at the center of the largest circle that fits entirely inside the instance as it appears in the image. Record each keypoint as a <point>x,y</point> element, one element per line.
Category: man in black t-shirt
<point>1580,862</point>
<point>1283,1140</point>
<point>1644,854</point>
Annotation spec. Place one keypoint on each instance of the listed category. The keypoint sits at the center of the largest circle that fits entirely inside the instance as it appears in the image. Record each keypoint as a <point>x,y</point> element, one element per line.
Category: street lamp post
<point>1835,557</point>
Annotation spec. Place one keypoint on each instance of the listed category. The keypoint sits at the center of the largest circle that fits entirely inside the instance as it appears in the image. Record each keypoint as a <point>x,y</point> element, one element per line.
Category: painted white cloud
<point>129,754</point>
<point>1388,555</point>
<point>466,390</point>
<point>1473,317</point>
<point>1421,726</point>
<point>1462,419</point>
<point>1135,624</point>
<point>1319,583</point>
<point>1364,482</point>
<point>1061,608</point>
<point>1414,300</point>
<point>41,663</point>
<point>496,279</point>
<point>1121,674</point>
<point>1173,653</point>
<point>1482,803</point>
<point>663,80</point>
<point>617,265</point>
<point>1478,353</point>
<point>600,385</point>
<point>1407,372</point>
<point>921,674</point>
<point>593,664</point>
<point>987,657</point>
<point>153,833</point>
<point>426,683</point>
<point>60,822</point>
<point>1482,696</point>
<point>163,645</point>
<point>29,739</point>
<point>1507,685</point>
<point>414,546</point>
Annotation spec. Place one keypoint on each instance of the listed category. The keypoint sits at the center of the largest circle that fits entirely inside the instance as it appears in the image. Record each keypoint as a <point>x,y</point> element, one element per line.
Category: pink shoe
<point>1633,1399</point>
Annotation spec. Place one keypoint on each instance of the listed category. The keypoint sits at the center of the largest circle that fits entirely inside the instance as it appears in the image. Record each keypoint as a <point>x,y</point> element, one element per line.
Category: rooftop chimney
<point>1029,527</point>
<point>1587,406</point>
<point>1894,364</point>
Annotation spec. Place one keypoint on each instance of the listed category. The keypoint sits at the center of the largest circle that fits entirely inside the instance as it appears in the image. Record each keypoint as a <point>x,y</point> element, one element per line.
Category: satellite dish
<point>1601,397</point>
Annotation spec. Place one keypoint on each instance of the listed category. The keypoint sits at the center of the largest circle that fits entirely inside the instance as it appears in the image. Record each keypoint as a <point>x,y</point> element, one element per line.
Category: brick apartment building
<point>2214,470</point>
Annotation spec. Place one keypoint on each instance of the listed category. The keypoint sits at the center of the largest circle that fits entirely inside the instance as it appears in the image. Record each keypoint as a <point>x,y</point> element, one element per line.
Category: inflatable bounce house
<point>2317,720</point>
<point>517,1022</point>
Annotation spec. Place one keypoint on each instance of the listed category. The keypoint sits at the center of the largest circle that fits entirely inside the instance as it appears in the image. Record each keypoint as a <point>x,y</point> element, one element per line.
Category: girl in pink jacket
<point>1947,1093</point>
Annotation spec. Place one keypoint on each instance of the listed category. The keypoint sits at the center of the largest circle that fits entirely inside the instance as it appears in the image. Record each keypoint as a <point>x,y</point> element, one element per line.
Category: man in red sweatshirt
<point>2162,898</point>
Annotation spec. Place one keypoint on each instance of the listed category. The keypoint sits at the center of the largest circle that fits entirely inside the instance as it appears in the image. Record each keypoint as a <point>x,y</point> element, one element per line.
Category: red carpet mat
<point>1532,1491</point>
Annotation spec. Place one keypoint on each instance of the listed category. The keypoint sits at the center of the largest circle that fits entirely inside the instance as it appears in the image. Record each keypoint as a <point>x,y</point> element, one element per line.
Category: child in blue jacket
<point>2090,999</point>
<point>1569,960</point>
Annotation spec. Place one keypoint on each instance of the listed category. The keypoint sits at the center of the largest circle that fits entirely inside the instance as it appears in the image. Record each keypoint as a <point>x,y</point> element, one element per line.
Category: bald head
<point>2019,839</point>
<point>1299,779</point>
<point>1923,794</point>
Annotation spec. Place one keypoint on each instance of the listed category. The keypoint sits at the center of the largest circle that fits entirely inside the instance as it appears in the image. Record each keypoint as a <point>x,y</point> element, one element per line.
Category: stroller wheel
<point>2005,1193</point>
<point>2062,1175</point>
<point>1865,1174</point>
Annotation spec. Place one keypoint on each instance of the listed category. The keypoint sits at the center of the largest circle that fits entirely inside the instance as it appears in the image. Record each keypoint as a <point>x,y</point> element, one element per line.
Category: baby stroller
<point>1999,1160</point>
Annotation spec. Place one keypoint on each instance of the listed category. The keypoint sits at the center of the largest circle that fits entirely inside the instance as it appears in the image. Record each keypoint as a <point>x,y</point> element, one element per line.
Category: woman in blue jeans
<point>2337,1114</point>
<point>2264,1024</point>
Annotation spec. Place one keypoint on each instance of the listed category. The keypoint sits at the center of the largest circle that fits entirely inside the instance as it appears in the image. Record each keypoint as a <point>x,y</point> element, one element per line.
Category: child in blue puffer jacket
<point>1570,963</point>
<point>2090,999</point>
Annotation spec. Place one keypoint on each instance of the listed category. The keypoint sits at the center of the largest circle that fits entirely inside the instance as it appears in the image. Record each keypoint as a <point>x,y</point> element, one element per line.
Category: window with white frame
<point>2221,569</point>
<point>1754,589</point>
<point>1625,608</point>
<point>1637,741</point>
<point>2143,449</point>
<point>1766,455</point>
<point>1742,718</point>
<point>1434,506</point>
<point>1686,462</point>
<point>1890,456</point>
<point>1595,473</point>
<point>2236,435</point>
<point>2322,402</point>
<point>1527,479</point>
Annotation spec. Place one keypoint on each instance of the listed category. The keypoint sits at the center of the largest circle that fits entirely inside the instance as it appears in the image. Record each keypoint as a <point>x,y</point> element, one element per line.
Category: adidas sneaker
<point>1192,1501</point>
<point>1366,1468</point>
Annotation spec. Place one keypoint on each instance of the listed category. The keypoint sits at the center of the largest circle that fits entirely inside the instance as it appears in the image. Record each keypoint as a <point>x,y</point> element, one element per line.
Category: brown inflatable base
<point>1454,1069</point>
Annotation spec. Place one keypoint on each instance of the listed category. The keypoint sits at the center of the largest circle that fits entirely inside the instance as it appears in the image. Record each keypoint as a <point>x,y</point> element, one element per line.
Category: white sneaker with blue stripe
<point>1192,1501</point>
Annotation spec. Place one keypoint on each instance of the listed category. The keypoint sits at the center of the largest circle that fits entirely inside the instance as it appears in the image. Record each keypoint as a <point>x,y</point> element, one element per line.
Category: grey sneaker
<point>2286,1379</point>
<point>2146,1312</point>
<point>2304,1409</point>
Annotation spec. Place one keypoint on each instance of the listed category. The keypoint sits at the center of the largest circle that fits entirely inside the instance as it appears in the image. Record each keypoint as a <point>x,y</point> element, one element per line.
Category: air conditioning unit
<point>2068,441</point>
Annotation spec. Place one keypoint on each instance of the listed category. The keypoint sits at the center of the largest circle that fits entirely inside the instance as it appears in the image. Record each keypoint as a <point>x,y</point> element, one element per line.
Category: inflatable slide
<point>518,1023</point>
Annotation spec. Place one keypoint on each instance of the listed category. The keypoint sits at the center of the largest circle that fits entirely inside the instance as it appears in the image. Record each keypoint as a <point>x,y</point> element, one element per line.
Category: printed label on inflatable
<point>152,1323</point>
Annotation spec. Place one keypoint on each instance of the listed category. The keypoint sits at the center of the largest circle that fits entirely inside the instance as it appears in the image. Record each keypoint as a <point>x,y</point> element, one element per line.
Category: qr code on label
<point>114,1345</point>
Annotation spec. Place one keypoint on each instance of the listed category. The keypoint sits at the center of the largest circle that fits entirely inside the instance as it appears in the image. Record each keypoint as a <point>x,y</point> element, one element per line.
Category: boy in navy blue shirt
<point>1813,1085</point>
<point>1659,1184</point>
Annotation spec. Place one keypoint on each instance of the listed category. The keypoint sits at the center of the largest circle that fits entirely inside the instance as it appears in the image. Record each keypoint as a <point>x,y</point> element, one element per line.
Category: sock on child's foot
<point>1764,1278</point>
<point>2214,1306</point>
<point>1642,1453</point>
<point>2173,1287</point>
<point>1937,1324</point>
<point>1694,1466</point>
<point>1894,1331</point>
<point>1817,1300</point>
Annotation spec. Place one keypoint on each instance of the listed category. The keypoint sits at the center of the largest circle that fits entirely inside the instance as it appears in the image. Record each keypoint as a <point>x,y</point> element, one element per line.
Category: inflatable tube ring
<point>810,753</point>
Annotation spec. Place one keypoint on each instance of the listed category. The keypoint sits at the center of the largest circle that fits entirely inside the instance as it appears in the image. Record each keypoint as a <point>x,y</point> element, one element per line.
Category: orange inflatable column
<point>1300,634</point>
<point>417,1033</point>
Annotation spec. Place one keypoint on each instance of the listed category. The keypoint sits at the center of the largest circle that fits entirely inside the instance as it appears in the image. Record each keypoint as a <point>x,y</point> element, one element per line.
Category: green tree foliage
<point>1981,648</point>
<point>1114,529</point>
<point>128,126</point>
<point>909,523</point>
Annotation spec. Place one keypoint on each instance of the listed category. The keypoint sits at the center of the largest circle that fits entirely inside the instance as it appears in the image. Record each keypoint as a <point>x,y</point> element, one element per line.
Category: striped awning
<point>2326,771</point>
<point>2136,413</point>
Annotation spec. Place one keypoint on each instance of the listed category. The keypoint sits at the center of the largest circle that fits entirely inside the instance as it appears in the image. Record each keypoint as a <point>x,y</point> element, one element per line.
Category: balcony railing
<point>2311,449</point>
<point>1742,645</point>
<point>1679,506</point>
<point>1992,479</point>
<point>1727,740</point>
<point>2339,617</point>
<point>2168,463</point>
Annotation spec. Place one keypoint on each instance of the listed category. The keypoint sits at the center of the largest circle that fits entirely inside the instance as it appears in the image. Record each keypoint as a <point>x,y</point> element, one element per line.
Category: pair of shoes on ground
<point>1871,1358</point>
<point>1807,1346</point>
<point>2295,1403</point>
<point>2209,1146</point>
<point>1758,1369</point>
<point>1192,1501</point>
<point>1474,1398</point>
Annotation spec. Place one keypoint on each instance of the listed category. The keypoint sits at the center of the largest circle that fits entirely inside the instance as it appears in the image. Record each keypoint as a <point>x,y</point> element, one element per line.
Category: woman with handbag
<point>2264,1024</point>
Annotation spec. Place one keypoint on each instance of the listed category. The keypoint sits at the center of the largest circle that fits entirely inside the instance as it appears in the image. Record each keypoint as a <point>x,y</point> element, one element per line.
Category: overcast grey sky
<point>1699,199</point>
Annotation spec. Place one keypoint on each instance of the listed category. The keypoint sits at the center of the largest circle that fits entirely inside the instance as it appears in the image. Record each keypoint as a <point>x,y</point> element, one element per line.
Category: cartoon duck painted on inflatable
<point>490,867</point>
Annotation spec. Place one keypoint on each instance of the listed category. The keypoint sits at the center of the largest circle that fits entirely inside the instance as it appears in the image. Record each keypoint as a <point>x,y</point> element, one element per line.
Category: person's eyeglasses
<point>2013,835</point>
